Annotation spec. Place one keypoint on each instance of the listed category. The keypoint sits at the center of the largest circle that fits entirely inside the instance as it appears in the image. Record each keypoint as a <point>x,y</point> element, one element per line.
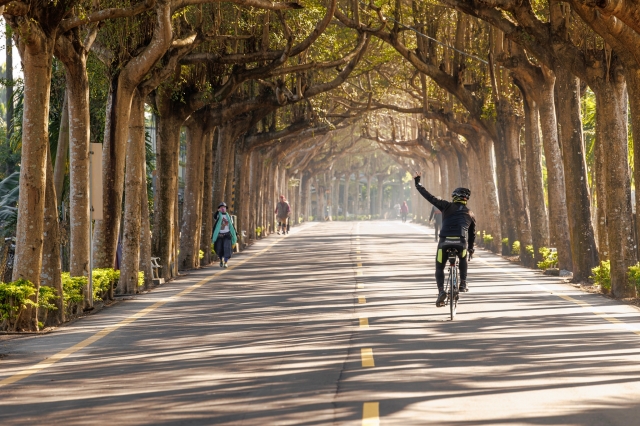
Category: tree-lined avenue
<point>284,338</point>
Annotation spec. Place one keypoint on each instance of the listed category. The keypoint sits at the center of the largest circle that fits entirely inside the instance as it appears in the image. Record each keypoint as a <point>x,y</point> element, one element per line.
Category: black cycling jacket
<point>457,219</point>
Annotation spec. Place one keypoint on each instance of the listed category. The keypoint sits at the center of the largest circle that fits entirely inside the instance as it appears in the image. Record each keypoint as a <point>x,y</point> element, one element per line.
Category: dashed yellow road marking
<point>110,329</point>
<point>358,273</point>
<point>360,285</point>
<point>358,258</point>
<point>366,356</point>
<point>364,322</point>
<point>362,299</point>
<point>371,414</point>
<point>359,265</point>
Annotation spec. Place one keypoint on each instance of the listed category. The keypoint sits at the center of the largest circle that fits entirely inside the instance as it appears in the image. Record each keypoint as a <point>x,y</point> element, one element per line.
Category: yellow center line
<point>360,285</point>
<point>366,355</point>
<point>362,299</point>
<point>359,265</point>
<point>364,322</point>
<point>358,258</point>
<point>109,329</point>
<point>580,303</point>
<point>371,414</point>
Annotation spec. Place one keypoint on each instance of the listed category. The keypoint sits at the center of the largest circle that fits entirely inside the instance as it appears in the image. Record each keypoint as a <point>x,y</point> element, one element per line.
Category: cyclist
<point>458,231</point>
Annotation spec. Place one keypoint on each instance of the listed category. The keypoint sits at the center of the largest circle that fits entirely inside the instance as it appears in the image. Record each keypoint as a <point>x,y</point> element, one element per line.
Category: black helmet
<point>461,194</point>
<point>222,204</point>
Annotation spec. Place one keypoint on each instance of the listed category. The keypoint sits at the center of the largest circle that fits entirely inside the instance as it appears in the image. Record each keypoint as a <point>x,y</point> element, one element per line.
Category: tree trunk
<point>37,57</point>
<point>135,161</point>
<point>558,216</point>
<point>583,246</point>
<point>535,184</point>
<point>509,132</point>
<point>444,175</point>
<point>633,85</point>
<point>9,77</point>
<point>368,200</point>
<point>51,273</point>
<point>244,195</point>
<point>223,152</point>
<point>79,138</point>
<point>493,206</point>
<point>62,151</point>
<point>380,194</point>
<point>305,185</point>
<point>611,121</point>
<point>106,231</point>
<point>167,157</point>
<point>347,184</point>
<point>145,232</point>
<point>192,205</point>
<point>207,197</point>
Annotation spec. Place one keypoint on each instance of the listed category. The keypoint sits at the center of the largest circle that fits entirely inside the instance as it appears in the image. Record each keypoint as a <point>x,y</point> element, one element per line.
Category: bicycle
<point>452,284</point>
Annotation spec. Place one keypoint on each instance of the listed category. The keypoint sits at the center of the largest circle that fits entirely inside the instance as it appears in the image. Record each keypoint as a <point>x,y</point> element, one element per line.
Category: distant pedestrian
<point>283,211</point>
<point>437,216</point>
<point>404,211</point>
<point>224,234</point>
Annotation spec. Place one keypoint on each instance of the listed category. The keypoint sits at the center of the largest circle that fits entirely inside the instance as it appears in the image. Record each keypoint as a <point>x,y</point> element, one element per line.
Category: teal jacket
<point>232,229</point>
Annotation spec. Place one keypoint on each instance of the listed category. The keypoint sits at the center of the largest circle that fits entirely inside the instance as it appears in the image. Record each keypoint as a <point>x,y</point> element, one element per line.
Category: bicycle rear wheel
<point>453,292</point>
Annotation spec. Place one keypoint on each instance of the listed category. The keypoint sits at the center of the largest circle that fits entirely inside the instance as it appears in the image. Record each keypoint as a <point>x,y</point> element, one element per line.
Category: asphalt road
<point>336,324</point>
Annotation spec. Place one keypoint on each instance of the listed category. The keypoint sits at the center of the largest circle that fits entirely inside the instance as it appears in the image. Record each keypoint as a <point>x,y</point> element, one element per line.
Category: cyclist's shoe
<point>441,297</point>
<point>463,287</point>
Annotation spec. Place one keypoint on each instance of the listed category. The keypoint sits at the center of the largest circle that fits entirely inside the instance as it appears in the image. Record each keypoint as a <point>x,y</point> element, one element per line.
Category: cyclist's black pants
<point>441,258</point>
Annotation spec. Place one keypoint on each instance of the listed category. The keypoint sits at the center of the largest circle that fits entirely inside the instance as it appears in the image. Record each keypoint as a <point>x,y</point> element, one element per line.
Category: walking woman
<point>224,235</point>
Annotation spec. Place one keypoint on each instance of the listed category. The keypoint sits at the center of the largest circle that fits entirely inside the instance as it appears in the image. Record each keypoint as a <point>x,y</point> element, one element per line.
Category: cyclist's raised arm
<point>439,203</point>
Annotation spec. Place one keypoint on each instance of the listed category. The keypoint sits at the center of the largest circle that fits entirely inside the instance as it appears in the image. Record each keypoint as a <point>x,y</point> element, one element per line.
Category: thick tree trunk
<point>106,231</point>
<point>135,161</point>
<point>50,275</point>
<point>165,206</point>
<point>207,197</point>
<point>535,184</point>
<point>37,57</point>
<point>600,166</point>
<point>62,151</point>
<point>192,205</point>
<point>509,133</point>
<point>79,135</point>
<point>611,122</point>
<point>583,246</point>
<point>558,216</point>
<point>633,86</point>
